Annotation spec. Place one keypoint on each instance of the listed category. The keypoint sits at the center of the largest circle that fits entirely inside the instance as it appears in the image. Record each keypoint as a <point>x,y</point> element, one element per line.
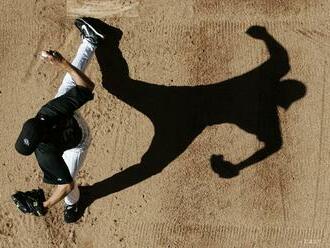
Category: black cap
<point>29,137</point>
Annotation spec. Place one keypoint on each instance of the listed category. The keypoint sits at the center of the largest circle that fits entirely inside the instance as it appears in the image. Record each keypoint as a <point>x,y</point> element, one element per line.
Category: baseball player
<point>57,134</point>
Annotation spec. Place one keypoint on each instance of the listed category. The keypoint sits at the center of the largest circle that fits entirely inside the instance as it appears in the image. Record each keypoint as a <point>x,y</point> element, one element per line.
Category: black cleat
<point>89,31</point>
<point>71,213</point>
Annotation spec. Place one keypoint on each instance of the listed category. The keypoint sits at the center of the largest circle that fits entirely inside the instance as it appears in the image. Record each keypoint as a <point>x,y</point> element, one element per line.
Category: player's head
<point>30,136</point>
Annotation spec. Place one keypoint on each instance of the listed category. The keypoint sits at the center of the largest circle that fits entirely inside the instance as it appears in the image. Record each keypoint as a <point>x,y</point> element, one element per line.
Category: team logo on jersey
<point>26,142</point>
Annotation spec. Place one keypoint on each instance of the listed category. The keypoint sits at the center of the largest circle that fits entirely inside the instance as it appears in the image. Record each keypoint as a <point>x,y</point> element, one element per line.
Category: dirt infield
<point>202,95</point>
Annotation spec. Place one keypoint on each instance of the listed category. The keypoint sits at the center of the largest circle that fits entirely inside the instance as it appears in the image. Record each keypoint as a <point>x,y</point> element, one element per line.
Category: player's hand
<point>52,57</point>
<point>257,32</point>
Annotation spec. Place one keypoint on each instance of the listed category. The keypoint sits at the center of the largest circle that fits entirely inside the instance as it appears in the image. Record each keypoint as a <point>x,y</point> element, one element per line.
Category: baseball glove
<point>30,201</point>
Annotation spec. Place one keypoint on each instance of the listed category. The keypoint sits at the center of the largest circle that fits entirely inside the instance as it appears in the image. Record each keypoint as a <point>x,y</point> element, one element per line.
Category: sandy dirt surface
<point>280,201</point>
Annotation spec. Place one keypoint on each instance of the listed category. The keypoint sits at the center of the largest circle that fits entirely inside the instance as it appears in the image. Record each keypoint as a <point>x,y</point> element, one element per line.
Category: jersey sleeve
<point>54,167</point>
<point>66,104</point>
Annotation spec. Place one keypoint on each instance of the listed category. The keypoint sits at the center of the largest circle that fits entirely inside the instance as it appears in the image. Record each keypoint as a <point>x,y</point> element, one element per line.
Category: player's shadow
<point>179,114</point>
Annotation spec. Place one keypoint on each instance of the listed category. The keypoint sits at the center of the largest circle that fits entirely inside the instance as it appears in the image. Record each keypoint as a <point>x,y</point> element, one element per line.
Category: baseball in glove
<point>30,201</point>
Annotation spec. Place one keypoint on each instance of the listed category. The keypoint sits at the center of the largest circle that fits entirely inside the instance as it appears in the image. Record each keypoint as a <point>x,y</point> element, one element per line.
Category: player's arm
<point>77,75</point>
<point>278,65</point>
<point>59,193</point>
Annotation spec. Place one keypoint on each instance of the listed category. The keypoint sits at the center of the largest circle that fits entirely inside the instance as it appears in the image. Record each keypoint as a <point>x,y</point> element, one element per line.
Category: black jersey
<point>62,133</point>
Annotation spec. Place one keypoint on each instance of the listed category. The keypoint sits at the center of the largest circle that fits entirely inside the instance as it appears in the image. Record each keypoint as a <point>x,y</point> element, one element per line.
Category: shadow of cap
<point>289,91</point>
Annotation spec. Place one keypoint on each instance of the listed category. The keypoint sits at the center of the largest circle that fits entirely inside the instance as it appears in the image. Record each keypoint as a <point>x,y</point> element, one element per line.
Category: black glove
<point>30,201</point>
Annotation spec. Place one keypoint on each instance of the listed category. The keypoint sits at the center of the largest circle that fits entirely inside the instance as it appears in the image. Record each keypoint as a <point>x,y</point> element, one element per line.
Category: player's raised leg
<point>91,38</point>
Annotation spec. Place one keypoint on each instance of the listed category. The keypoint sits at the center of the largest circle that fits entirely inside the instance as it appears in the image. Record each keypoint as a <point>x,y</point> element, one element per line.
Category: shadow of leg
<point>164,148</point>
